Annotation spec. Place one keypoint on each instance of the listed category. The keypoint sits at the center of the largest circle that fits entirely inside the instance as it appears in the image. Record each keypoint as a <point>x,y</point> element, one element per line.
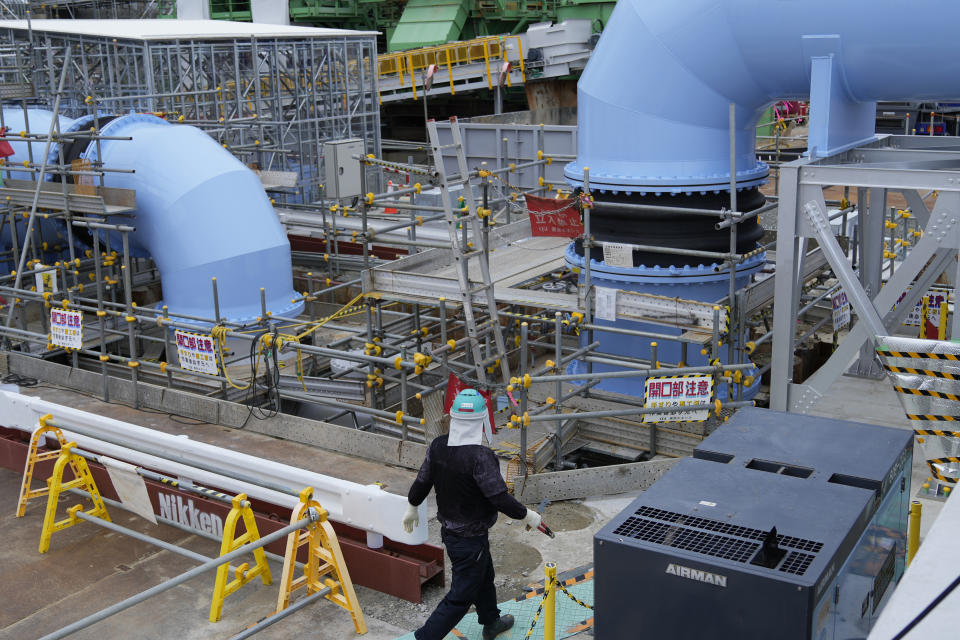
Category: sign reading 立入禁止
<point>558,218</point>
<point>197,352</point>
<point>677,391</point>
<point>66,328</point>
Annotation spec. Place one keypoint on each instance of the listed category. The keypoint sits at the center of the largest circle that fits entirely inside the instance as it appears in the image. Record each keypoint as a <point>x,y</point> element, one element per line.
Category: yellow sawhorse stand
<point>324,561</point>
<point>33,457</point>
<point>55,486</point>
<point>231,542</point>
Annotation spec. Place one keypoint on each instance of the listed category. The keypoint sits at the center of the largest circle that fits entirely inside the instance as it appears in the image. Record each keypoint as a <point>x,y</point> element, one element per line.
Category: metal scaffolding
<point>78,9</point>
<point>271,95</point>
<point>377,340</point>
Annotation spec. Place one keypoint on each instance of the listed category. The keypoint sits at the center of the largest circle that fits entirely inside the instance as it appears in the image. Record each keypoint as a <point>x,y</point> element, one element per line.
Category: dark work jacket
<point>470,489</point>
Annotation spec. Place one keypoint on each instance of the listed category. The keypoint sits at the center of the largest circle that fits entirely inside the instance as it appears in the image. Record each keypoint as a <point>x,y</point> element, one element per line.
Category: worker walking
<point>470,492</point>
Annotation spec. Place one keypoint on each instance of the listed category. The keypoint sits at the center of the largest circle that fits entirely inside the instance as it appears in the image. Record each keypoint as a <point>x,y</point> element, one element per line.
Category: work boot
<point>492,630</point>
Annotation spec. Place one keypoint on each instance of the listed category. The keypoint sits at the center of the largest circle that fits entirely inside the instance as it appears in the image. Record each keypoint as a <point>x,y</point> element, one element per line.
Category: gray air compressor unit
<point>780,526</point>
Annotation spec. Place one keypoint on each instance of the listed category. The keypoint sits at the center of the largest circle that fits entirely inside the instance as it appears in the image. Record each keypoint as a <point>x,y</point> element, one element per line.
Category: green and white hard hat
<point>468,404</point>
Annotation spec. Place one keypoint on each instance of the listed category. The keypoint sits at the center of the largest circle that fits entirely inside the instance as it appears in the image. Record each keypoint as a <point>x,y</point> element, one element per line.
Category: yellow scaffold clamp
<point>231,542</point>
<point>325,566</point>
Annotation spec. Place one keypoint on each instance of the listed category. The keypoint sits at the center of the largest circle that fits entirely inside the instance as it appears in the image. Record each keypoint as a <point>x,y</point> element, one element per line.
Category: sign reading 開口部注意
<point>677,391</point>
<point>197,352</point>
<point>66,328</point>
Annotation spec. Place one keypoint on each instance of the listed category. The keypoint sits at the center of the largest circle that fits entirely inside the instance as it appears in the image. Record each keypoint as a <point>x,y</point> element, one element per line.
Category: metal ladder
<point>463,254</point>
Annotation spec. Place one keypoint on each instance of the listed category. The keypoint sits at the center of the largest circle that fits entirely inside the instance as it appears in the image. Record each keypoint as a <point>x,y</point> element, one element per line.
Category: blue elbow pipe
<point>654,126</point>
<point>201,214</point>
<point>653,102</point>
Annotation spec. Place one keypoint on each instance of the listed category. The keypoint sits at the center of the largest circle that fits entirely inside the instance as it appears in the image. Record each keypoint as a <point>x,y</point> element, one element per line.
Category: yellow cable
<point>219,334</point>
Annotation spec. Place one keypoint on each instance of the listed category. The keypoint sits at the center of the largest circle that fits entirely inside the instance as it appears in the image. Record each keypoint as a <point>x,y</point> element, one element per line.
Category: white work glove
<point>411,518</point>
<point>532,519</point>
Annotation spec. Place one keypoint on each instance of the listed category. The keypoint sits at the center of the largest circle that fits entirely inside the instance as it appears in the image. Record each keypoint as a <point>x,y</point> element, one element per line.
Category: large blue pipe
<point>201,214</point>
<point>654,124</point>
<point>653,102</point>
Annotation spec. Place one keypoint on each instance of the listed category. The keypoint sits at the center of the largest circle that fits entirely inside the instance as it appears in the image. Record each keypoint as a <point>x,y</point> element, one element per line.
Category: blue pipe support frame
<point>200,214</point>
<point>653,101</point>
<point>701,282</point>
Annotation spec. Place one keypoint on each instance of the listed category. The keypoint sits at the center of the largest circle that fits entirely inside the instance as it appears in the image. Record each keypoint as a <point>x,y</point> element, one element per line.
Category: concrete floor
<point>875,402</point>
<point>88,568</point>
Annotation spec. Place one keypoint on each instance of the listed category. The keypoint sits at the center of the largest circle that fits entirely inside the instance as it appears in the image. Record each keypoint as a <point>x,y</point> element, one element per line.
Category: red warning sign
<point>554,217</point>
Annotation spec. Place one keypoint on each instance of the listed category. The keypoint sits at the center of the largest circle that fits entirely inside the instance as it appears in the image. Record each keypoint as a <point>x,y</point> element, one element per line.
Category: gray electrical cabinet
<point>342,169</point>
<point>780,526</point>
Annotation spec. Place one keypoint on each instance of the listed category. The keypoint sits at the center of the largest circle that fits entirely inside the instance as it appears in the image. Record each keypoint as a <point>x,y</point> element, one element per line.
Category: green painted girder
<point>429,22</point>
<point>237,10</point>
<point>313,9</point>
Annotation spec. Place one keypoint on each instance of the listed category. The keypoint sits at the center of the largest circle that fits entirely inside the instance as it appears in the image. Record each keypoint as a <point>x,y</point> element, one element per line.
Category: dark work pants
<point>472,583</point>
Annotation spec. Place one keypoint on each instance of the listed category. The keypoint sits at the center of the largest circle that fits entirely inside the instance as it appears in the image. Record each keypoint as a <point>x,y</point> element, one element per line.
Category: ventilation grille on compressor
<point>690,534</point>
<point>796,563</point>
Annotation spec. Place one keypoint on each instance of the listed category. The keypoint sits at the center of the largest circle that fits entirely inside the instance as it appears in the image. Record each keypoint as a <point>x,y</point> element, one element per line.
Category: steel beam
<point>786,296</point>
<point>941,230</point>
<point>871,267</point>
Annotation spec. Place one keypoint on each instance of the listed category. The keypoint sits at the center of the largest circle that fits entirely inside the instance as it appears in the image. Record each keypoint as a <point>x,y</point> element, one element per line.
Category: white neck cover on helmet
<point>464,431</point>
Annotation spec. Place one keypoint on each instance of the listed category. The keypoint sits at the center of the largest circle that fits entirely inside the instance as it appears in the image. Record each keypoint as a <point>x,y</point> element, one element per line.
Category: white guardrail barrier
<point>366,507</point>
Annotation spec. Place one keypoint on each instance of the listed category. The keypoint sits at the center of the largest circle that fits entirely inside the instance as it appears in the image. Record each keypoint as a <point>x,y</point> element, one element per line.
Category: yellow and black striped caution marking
<point>924,392</point>
<point>918,354</point>
<point>933,470</point>
<point>683,375</point>
<point>212,493</point>
<point>580,627</point>
<point>933,418</point>
<point>922,372</point>
<point>934,432</point>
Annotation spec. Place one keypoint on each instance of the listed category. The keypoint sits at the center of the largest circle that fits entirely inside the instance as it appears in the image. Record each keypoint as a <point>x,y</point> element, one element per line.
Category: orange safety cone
<point>388,208</point>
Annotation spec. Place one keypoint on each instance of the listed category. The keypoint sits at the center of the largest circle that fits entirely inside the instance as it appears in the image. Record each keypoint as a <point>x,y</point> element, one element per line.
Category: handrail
<point>404,65</point>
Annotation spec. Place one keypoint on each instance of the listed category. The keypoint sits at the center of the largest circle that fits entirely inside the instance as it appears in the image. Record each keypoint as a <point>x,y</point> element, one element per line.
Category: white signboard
<point>841,310</point>
<point>677,391</point>
<point>616,254</point>
<point>46,280</point>
<point>606,300</point>
<point>66,328</point>
<point>197,352</point>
